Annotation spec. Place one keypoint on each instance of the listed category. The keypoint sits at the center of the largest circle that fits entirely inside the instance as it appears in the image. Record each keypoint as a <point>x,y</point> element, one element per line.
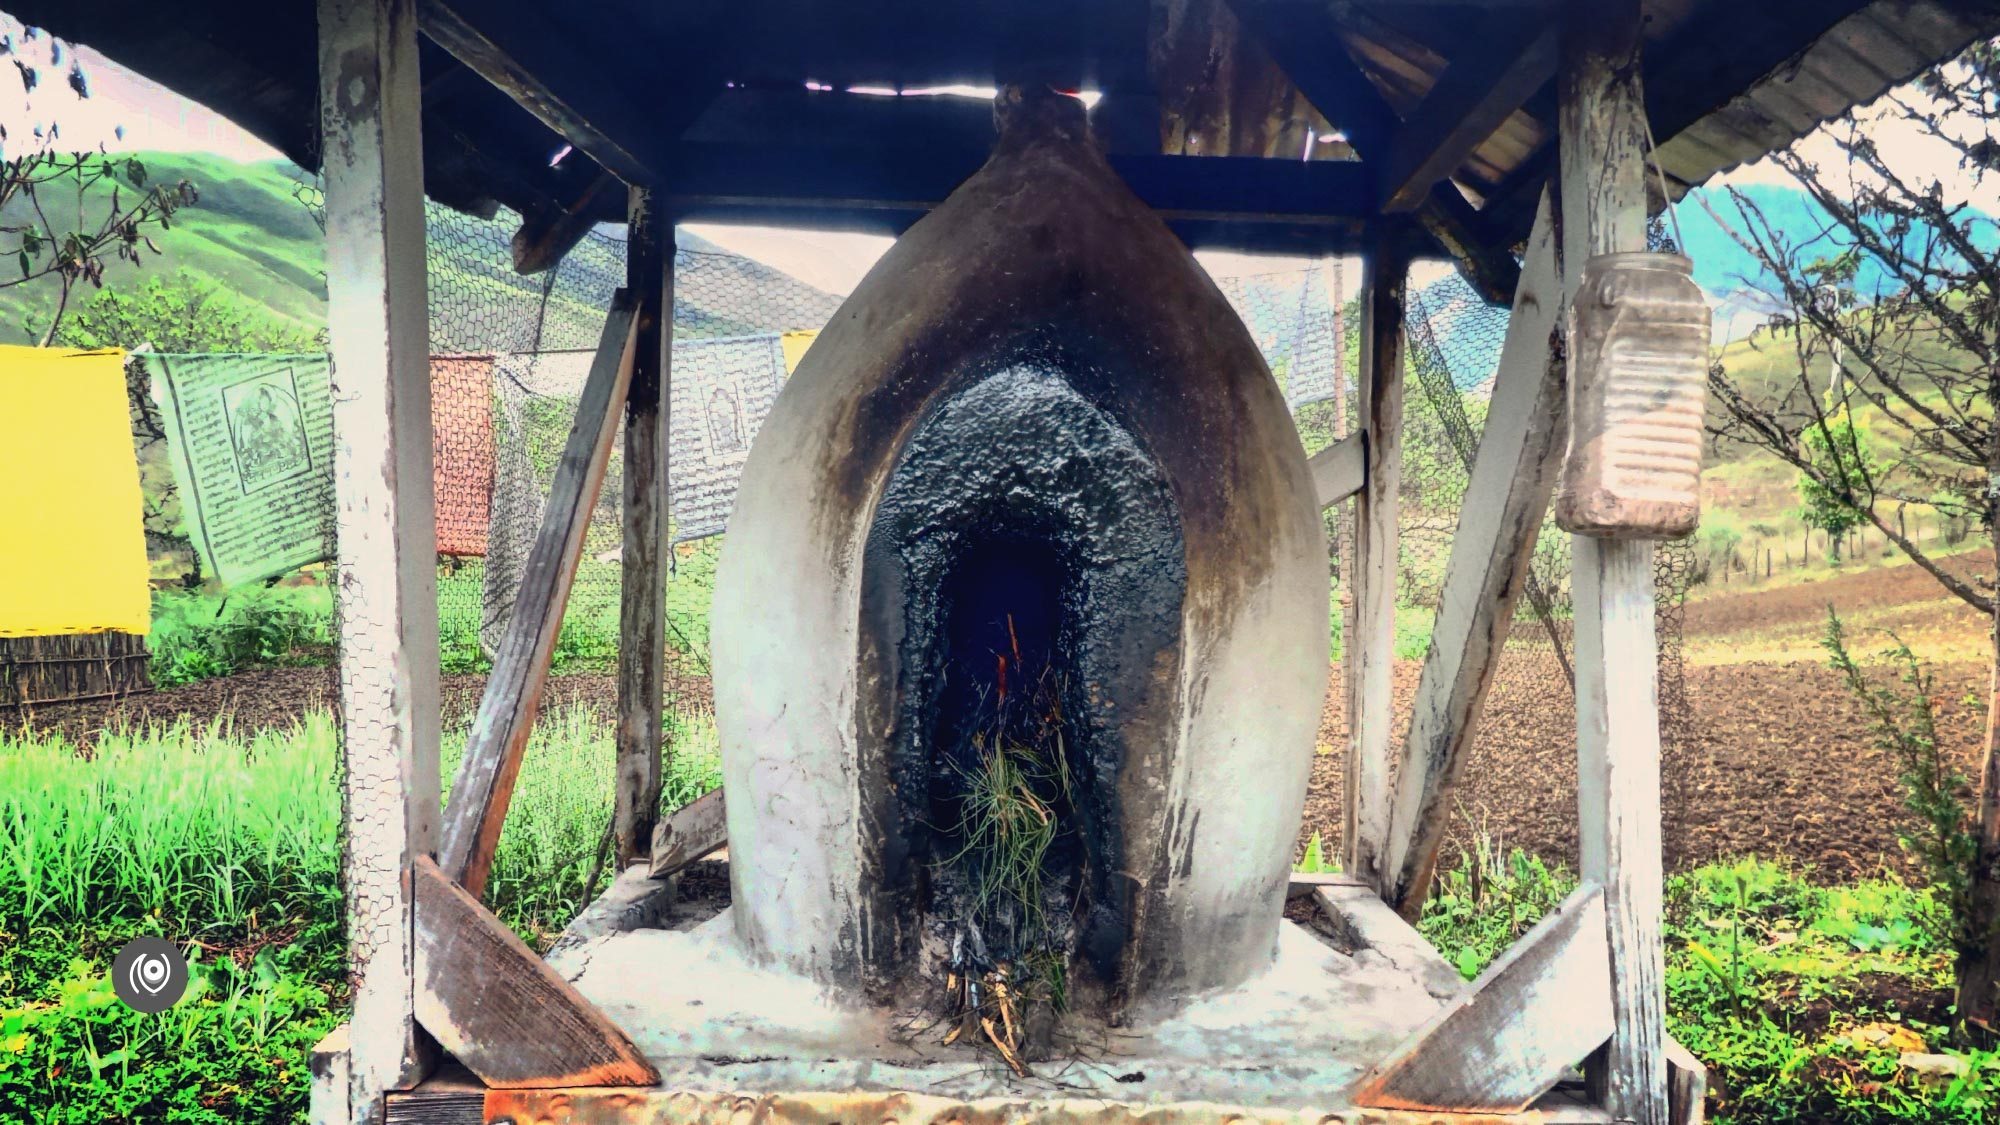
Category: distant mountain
<point>256,232</point>
<point>1732,276</point>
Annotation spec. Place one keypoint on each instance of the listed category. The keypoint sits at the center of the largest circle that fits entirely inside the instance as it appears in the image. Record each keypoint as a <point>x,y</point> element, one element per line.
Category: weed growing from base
<point>1009,968</point>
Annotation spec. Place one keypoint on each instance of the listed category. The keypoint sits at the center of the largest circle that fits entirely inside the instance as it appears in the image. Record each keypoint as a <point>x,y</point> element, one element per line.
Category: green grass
<point>226,842</point>
<point>1768,976</point>
<point>199,635</point>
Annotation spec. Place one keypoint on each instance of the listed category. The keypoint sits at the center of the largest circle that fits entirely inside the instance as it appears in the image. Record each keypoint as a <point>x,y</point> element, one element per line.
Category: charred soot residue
<point>1023,580</point>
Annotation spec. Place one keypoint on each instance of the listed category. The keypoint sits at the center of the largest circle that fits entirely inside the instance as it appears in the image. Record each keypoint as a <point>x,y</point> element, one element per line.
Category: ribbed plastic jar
<point>1638,340</point>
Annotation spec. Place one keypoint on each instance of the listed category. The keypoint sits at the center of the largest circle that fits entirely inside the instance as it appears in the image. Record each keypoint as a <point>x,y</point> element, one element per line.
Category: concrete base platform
<point>1303,1031</point>
<point>736,1044</point>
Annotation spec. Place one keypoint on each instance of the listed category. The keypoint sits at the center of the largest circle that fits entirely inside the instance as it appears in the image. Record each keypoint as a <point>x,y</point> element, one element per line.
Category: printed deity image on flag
<point>267,430</point>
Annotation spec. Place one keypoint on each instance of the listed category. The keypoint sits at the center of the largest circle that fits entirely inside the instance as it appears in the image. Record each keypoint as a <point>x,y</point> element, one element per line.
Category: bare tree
<point>1891,373</point>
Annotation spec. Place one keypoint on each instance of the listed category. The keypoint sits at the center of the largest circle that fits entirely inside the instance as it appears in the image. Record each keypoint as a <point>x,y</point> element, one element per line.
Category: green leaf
<point>1468,963</point>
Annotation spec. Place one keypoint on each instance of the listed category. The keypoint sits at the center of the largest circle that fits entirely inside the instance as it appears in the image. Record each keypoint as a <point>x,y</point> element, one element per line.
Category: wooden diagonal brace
<point>1511,478</point>
<point>1527,1021</point>
<point>501,1010</point>
<point>499,735</point>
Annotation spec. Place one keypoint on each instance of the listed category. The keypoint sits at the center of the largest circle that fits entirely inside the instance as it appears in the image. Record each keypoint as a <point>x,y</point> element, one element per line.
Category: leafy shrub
<point>199,636</point>
<point>1485,903</point>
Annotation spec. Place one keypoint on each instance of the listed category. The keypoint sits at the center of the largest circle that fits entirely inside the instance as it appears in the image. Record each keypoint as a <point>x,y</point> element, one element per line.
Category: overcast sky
<point>128,112</point>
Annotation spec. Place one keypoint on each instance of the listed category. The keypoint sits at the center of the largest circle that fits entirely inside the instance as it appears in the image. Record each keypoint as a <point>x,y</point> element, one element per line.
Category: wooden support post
<point>1370,647</point>
<point>378,332</point>
<point>1511,479</point>
<point>499,735</point>
<point>1602,130</point>
<point>642,605</point>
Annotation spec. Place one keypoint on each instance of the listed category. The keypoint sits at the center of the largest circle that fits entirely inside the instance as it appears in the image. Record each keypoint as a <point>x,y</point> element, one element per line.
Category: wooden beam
<point>1517,1030</point>
<point>515,49</point>
<point>698,829</point>
<point>1602,129</point>
<point>1370,650</point>
<point>500,1009</point>
<point>1361,920</point>
<point>546,236</point>
<point>1469,103</point>
<point>1307,45</point>
<point>499,735</point>
<point>384,516</point>
<point>1506,497</point>
<point>1340,470</point>
<point>711,180</point>
<point>642,603</point>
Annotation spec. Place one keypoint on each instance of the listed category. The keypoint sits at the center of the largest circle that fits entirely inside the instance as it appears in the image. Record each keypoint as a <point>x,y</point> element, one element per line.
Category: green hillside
<point>254,233</point>
<point>247,233</point>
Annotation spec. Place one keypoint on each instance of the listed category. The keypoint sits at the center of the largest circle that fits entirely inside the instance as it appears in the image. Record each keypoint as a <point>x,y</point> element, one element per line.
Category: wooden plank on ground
<point>500,1009</point>
<point>384,515</point>
<point>1528,1020</point>
<point>1370,649</point>
<point>642,603</point>
<point>1601,126</point>
<point>1512,476</point>
<point>1341,469</point>
<point>452,1096</point>
<point>1303,884</point>
<point>1363,921</point>
<point>499,735</point>
<point>698,829</point>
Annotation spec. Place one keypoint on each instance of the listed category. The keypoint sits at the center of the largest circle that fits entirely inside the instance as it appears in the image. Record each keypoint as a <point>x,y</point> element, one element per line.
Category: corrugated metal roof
<point>1881,46</point>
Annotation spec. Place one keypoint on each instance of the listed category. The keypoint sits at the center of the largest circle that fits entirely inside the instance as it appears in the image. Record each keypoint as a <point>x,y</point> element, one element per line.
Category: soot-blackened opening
<point>1022,596</point>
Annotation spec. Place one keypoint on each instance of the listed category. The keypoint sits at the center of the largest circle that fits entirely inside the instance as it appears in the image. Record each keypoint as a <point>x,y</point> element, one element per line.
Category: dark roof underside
<point>706,99</point>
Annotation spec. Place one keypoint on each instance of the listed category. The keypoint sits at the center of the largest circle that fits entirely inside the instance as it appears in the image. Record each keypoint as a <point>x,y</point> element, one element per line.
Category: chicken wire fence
<point>738,328</point>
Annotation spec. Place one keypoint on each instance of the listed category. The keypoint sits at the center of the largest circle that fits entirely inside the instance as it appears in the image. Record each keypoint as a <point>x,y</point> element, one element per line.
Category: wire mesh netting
<point>740,326</point>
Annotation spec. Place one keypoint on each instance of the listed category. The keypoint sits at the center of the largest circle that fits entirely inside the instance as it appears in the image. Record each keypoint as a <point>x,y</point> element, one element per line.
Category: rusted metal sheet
<point>683,1107</point>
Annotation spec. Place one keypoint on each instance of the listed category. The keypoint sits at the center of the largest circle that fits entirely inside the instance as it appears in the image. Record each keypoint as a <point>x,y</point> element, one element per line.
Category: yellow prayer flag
<point>795,345</point>
<point>72,534</point>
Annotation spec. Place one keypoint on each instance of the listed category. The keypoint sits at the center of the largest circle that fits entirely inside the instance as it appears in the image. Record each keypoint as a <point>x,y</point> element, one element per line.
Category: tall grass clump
<point>554,847</point>
<point>227,843</point>
<point>183,829</point>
